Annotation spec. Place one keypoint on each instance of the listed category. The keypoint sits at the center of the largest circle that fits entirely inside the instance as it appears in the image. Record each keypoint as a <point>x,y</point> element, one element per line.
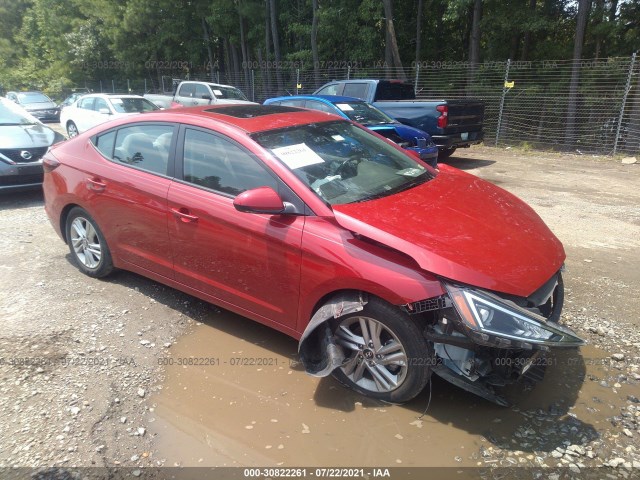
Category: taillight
<point>49,163</point>
<point>443,119</point>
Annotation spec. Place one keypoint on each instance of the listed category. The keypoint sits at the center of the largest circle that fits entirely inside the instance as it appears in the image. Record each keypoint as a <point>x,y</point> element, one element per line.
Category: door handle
<point>95,185</point>
<point>183,215</point>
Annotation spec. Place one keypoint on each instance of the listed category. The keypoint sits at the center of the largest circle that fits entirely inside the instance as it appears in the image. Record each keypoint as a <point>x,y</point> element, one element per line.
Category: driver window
<point>216,163</point>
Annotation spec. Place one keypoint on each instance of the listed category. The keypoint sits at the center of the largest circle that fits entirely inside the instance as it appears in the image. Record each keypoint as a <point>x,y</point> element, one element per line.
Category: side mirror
<point>260,200</point>
<point>104,111</point>
<point>206,97</point>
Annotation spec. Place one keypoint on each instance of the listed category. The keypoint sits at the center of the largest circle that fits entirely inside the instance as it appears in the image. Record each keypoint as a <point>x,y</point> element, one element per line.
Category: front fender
<point>318,352</point>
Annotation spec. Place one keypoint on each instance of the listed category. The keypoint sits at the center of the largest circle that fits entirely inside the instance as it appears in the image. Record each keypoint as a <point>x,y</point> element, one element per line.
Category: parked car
<point>23,142</point>
<point>383,268</point>
<point>37,104</point>
<point>451,123</point>
<point>366,114</point>
<point>96,108</point>
<point>71,99</point>
<point>191,93</point>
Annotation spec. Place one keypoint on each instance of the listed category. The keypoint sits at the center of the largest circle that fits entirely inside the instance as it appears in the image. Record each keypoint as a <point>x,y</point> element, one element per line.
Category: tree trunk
<point>276,43</point>
<point>598,17</point>
<point>474,41</point>
<point>207,41</point>
<point>419,14</point>
<point>526,42</point>
<point>244,49</point>
<point>613,10</point>
<point>394,53</point>
<point>314,45</point>
<point>581,25</point>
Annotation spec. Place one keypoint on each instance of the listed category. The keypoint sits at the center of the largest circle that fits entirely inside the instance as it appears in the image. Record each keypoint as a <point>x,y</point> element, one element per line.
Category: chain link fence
<point>526,102</point>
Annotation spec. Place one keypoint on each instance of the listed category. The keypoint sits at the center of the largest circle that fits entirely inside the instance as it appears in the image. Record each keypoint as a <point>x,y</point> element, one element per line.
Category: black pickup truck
<point>451,123</point>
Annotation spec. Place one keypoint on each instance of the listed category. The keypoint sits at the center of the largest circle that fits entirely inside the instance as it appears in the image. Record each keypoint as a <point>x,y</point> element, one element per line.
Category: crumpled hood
<point>463,228</point>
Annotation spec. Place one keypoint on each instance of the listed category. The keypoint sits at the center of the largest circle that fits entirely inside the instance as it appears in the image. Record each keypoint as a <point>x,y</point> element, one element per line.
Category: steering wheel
<point>348,168</point>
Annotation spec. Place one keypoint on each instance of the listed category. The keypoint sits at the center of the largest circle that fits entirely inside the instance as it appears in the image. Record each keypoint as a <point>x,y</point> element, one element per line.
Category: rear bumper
<point>455,140</point>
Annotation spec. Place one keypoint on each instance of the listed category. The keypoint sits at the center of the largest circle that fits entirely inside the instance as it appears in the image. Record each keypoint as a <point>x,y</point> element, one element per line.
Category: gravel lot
<point>81,383</point>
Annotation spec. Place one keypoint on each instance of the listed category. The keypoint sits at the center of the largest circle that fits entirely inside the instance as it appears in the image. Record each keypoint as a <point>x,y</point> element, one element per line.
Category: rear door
<point>127,193</point>
<point>249,263</point>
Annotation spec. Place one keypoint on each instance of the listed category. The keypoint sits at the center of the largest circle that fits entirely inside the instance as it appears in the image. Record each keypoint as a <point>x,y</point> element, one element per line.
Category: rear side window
<point>105,143</point>
<point>217,163</point>
<point>358,90</point>
<point>141,146</point>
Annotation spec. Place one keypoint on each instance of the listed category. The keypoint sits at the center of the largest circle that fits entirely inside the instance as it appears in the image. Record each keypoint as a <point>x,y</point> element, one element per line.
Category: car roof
<point>326,98</point>
<point>247,117</point>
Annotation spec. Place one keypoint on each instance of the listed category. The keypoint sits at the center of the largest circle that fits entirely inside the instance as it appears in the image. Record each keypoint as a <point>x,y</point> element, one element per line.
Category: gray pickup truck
<point>451,123</point>
<point>192,93</point>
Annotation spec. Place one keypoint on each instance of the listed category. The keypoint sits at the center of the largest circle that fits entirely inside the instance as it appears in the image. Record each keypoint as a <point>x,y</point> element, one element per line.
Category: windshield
<point>228,93</point>
<point>364,113</point>
<point>343,163</point>
<point>132,105</point>
<point>12,114</point>
<point>27,98</point>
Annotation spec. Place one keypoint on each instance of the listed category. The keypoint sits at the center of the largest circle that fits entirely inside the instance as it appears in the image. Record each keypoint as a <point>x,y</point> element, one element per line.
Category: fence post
<point>624,101</point>
<point>113,86</point>
<point>297,79</point>
<point>504,94</point>
<point>253,85</point>
<point>415,85</point>
<point>348,72</point>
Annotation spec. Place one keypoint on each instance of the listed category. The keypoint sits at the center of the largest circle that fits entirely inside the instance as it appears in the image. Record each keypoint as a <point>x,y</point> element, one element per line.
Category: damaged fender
<point>318,351</point>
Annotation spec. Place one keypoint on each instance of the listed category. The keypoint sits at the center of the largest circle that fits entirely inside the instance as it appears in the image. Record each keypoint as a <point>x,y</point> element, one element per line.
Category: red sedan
<point>385,269</point>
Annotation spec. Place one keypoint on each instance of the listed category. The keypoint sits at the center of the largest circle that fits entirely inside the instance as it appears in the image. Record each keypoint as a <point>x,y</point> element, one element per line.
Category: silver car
<point>23,142</point>
<point>37,104</point>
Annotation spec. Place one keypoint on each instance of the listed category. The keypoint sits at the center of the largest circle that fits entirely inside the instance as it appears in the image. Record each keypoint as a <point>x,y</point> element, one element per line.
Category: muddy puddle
<point>235,396</point>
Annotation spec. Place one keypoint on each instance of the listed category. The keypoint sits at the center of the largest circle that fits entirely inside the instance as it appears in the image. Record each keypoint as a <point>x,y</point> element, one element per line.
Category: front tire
<point>87,244</point>
<point>387,358</point>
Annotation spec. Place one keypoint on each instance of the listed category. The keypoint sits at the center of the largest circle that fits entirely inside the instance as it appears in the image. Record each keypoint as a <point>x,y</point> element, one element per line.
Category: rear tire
<point>72,130</point>
<point>87,244</point>
<point>445,153</point>
<point>387,358</point>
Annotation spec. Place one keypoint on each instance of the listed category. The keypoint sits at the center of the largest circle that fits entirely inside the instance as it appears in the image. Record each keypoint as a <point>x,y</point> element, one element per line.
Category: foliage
<point>55,44</point>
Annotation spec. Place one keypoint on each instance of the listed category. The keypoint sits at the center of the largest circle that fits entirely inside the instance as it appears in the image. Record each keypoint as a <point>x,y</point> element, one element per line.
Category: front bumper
<point>21,176</point>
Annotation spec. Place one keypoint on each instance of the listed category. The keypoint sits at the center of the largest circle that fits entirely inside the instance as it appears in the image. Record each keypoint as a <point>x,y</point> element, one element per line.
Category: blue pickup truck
<point>451,123</point>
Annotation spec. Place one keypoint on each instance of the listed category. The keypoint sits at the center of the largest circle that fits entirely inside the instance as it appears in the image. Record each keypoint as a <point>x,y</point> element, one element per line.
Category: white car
<point>94,109</point>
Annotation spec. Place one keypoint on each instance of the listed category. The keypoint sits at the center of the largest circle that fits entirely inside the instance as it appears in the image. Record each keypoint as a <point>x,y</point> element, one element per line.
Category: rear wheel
<point>445,153</point>
<point>72,129</point>
<point>387,358</point>
<point>87,245</point>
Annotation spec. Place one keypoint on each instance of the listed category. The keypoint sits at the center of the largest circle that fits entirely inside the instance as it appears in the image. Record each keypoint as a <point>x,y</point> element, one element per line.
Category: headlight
<point>488,314</point>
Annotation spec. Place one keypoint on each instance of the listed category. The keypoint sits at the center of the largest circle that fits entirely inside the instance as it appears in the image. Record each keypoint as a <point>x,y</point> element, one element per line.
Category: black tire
<point>72,129</point>
<point>87,244</point>
<point>405,367</point>
<point>445,153</point>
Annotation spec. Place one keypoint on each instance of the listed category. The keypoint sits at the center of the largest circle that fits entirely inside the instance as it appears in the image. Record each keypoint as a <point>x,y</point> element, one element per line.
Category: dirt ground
<point>102,373</point>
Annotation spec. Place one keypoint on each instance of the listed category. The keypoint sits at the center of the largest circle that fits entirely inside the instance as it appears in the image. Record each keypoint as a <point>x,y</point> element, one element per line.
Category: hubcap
<point>376,359</point>
<point>85,242</point>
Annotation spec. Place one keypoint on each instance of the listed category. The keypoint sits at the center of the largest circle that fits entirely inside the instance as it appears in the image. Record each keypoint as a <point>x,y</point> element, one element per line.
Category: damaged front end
<point>484,340</point>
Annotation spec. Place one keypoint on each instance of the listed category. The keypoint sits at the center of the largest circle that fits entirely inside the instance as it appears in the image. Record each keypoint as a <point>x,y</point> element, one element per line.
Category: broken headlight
<point>491,316</point>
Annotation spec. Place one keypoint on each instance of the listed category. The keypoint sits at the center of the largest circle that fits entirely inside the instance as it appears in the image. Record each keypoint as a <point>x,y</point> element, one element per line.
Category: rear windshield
<point>132,105</point>
<point>395,91</point>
